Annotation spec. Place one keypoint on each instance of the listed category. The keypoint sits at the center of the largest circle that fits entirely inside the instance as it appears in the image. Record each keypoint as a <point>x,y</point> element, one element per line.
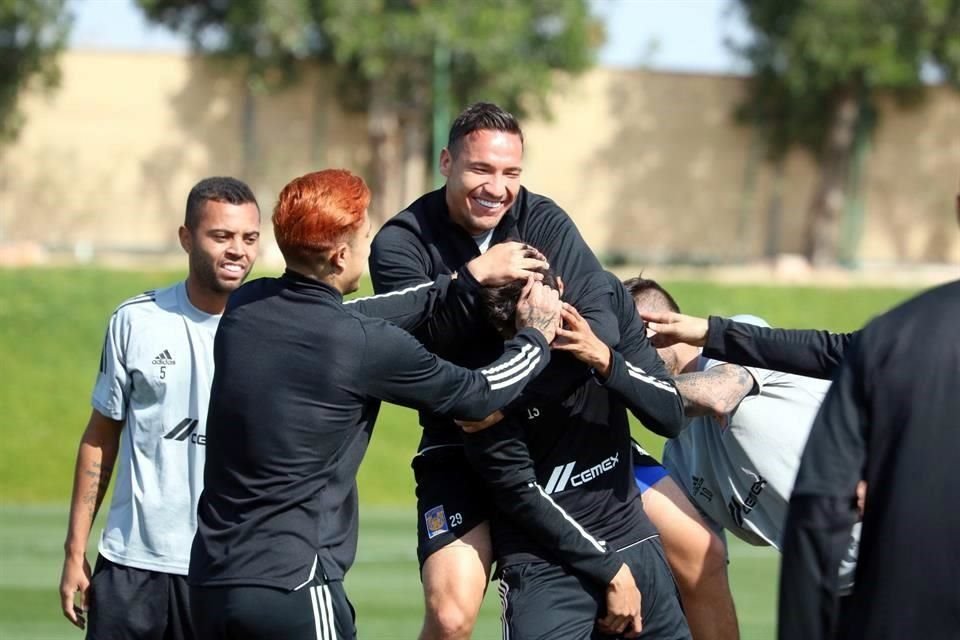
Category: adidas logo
<point>185,429</point>
<point>164,357</point>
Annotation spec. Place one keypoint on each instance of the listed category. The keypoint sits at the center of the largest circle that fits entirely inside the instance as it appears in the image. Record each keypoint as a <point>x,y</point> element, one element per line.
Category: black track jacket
<point>577,502</point>
<point>298,384</point>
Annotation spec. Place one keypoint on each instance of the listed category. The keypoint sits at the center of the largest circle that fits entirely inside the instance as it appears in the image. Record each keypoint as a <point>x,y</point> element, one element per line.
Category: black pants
<point>318,611</point>
<point>544,600</point>
<point>136,604</point>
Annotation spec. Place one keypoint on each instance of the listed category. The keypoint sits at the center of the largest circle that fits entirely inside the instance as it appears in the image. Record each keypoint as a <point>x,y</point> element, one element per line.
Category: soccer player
<point>298,384</point>
<point>149,421</point>
<point>480,221</point>
<point>737,460</point>
<point>575,504</point>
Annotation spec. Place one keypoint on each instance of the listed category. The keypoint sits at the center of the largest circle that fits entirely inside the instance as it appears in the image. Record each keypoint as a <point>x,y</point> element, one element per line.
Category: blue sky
<point>676,35</point>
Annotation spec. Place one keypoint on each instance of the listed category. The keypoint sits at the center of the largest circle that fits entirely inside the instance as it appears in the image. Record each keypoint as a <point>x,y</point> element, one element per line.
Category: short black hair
<point>499,304</point>
<point>481,116</point>
<point>216,189</point>
<point>641,287</point>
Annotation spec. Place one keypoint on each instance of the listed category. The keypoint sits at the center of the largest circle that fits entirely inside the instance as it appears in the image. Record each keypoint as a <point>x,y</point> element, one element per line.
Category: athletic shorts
<point>646,470</point>
<point>452,499</point>
<point>319,610</point>
<point>541,600</point>
<point>136,603</point>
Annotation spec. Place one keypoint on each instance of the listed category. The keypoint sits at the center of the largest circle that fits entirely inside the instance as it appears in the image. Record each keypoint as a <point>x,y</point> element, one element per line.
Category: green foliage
<point>500,49</point>
<point>807,55</point>
<point>32,34</point>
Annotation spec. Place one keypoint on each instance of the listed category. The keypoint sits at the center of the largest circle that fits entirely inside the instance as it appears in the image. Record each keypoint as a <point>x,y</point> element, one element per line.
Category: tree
<point>385,53</point>
<point>32,34</point>
<point>818,67</point>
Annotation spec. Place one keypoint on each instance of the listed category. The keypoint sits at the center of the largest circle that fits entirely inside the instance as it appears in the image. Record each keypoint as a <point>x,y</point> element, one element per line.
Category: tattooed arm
<point>95,458</point>
<point>717,391</point>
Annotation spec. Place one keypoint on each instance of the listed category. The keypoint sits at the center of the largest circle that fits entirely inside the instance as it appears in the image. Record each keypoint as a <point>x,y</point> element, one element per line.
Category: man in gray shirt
<point>149,421</point>
<point>738,458</point>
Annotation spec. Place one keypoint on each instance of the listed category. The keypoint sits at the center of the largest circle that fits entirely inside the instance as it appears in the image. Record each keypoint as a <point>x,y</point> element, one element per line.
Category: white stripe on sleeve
<point>643,376</point>
<point>398,292</point>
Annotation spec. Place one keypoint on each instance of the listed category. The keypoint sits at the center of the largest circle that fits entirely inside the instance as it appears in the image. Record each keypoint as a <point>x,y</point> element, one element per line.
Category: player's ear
<point>446,160</point>
<point>186,238</point>
<point>338,257</point>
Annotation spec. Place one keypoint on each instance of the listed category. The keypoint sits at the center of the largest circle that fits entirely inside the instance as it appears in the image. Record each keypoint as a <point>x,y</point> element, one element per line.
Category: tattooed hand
<point>539,308</point>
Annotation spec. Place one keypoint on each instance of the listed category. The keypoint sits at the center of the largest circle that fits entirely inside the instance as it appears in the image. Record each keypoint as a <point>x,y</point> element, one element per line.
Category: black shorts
<point>136,603</point>
<point>318,610</point>
<point>451,498</point>
<point>544,600</point>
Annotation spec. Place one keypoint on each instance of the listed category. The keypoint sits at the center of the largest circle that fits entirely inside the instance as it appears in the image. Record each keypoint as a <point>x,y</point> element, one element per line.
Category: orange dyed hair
<point>317,210</point>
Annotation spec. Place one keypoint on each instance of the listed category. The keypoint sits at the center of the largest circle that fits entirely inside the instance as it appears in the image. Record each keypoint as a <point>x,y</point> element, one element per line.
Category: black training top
<point>805,352</point>
<point>421,244</point>
<point>298,384</point>
<point>578,503</point>
<point>890,418</point>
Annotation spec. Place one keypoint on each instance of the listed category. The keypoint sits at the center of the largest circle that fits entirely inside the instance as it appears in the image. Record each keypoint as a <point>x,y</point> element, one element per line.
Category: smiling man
<point>149,418</point>
<point>480,225</point>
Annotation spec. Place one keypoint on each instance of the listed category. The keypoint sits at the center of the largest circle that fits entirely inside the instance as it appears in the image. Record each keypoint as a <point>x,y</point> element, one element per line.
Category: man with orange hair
<point>277,522</point>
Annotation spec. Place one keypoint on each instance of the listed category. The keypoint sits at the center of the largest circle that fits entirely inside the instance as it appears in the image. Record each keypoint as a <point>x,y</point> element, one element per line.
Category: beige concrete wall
<point>650,165</point>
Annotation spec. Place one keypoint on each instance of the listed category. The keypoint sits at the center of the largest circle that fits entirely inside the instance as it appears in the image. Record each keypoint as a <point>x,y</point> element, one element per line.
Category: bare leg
<point>454,581</point>
<point>698,559</point>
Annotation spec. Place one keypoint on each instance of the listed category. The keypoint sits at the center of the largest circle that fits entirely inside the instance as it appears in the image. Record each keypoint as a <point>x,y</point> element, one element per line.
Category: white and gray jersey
<point>156,370</point>
<point>740,471</point>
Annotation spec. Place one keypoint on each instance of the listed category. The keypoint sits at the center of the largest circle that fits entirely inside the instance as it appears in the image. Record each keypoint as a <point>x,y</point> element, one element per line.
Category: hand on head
<point>666,328</point>
<point>539,307</point>
<point>506,262</point>
<point>576,336</point>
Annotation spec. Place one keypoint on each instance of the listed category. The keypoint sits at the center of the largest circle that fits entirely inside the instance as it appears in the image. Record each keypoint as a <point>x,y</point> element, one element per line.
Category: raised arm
<point>633,371</point>
<point>398,369</point>
<point>407,308</point>
<point>400,261</point>
<point>805,352</point>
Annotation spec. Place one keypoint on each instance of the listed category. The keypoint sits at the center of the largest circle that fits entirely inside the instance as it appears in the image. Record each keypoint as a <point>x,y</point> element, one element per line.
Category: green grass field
<point>51,328</point>
<point>383,584</point>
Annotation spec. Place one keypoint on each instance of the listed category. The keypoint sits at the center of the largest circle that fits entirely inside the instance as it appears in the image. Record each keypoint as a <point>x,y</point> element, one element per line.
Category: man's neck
<point>204,299</point>
<point>318,273</point>
<point>688,358</point>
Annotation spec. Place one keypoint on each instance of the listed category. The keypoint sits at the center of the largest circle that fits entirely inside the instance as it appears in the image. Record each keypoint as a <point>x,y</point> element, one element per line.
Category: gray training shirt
<point>156,369</point>
<point>741,474</point>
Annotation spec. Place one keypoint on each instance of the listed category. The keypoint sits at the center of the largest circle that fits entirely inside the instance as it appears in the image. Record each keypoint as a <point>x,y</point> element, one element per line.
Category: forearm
<point>803,352</point>
<point>396,264</point>
<point>95,459</point>
<point>650,395</point>
<point>409,307</point>
<point>715,392</point>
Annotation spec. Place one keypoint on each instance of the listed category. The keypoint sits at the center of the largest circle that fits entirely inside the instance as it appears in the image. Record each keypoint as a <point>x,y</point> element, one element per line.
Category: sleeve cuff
<point>713,347</point>
<point>467,280</point>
